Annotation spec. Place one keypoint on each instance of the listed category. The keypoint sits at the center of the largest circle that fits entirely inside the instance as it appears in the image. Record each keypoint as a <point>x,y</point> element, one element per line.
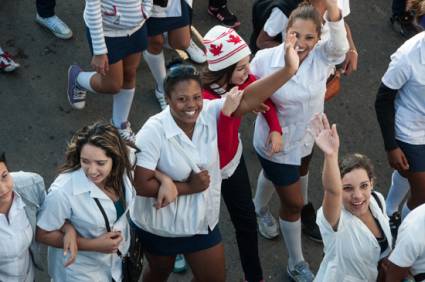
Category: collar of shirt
<point>171,128</point>
<point>81,184</point>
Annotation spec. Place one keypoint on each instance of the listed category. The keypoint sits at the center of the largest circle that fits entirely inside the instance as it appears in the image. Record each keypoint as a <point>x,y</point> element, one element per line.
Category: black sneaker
<point>395,221</point>
<point>224,16</point>
<point>404,24</point>
<point>308,222</point>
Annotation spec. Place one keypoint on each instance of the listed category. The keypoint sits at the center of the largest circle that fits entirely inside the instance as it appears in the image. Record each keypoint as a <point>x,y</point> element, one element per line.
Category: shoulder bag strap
<point>108,227</point>
<point>378,201</point>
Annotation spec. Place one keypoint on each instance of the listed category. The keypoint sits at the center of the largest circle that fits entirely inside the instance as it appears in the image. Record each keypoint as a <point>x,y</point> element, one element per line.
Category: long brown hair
<point>220,77</point>
<point>106,137</point>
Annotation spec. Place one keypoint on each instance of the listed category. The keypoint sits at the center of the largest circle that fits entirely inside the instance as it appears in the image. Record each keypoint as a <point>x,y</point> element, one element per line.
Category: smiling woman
<point>181,142</point>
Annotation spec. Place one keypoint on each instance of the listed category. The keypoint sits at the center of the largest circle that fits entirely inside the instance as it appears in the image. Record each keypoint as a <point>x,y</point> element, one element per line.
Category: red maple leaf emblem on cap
<point>216,50</point>
<point>234,39</point>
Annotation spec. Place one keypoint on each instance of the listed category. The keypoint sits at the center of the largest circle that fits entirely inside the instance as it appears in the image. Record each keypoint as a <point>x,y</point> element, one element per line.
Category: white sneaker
<point>267,225</point>
<point>56,26</point>
<point>126,133</point>
<point>195,53</point>
<point>161,98</point>
<point>7,64</point>
<point>300,273</point>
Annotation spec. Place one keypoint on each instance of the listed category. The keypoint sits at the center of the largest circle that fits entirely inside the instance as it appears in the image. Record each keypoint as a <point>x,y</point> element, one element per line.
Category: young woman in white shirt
<point>400,108</point>
<point>21,194</point>
<point>354,226</point>
<point>296,102</point>
<point>181,142</point>
<point>96,175</point>
<point>117,35</point>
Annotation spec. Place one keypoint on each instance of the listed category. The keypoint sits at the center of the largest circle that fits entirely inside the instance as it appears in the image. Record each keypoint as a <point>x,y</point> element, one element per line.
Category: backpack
<point>30,186</point>
<point>261,11</point>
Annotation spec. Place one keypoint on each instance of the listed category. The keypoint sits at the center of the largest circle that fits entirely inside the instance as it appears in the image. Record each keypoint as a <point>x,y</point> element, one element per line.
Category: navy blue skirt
<point>415,155</point>
<point>121,47</point>
<point>280,174</point>
<point>167,246</point>
<point>160,25</point>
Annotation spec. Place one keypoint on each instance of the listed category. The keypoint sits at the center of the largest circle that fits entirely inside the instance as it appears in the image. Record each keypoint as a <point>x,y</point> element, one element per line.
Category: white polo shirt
<point>406,73</point>
<point>301,97</point>
<point>173,9</point>
<point>409,249</point>
<point>15,240</point>
<point>71,197</point>
<point>189,214</point>
<point>352,252</point>
<point>278,21</point>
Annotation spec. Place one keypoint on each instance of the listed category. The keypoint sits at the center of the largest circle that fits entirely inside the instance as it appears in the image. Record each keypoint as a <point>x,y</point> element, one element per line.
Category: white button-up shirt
<point>409,249</point>
<point>352,252</point>
<point>71,197</point>
<point>299,98</point>
<point>406,73</point>
<point>189,214</point>
<point>15,240</point>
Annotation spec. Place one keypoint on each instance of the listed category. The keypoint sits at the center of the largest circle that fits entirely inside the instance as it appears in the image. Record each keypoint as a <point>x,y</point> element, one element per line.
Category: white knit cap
<point>224,47</point>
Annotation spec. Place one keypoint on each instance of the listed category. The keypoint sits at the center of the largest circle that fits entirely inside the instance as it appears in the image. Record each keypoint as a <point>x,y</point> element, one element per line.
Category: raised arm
<point>257,92</point>
<point>327,140</point>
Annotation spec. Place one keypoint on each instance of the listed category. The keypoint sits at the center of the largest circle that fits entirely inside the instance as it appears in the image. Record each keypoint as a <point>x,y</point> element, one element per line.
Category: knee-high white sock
<point>121,106</point>
<point>83,80</point>
<point>264,192</point>
<point>156,64</point>
<point>304,188</point>
<point>291,232</point>
<point>166,43</point>
<point>398,191</point>
<point>405,211</point>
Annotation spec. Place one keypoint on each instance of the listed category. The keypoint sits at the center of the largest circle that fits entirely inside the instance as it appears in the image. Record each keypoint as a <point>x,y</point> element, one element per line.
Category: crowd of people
<point>164,184</point>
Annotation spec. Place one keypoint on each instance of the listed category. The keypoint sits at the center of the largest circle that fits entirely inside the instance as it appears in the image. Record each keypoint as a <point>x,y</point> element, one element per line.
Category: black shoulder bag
<point>132,262</point>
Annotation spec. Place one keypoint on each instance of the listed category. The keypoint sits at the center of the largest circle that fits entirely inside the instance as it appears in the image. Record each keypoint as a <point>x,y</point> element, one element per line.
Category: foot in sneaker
<point>76,94</point>
<point>126,133</point>
<point>395,221</point>
<point>300,273</point>
<point>56,26</point>
<point>179,264</point>
<point>195,53</point>
<point>267,225</point>
<point>224,16</point>
<point>161,98</point>
<point>308,221</point>
<point>7,64</point>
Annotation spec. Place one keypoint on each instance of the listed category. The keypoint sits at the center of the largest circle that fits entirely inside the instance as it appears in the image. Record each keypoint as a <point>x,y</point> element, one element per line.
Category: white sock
<point>304,188</point>
<point>291,232</point>
<point>83,80</point>
<point>405,211</point>
<point>264,192</point>
<point>398,191</point>
<point>121,106</point>
<point>166,43</point>
<point>156,64</point>
<point>1,51</point>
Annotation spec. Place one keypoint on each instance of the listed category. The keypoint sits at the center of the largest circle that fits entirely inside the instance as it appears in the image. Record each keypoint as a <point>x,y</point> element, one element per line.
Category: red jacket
<point>228,127</point>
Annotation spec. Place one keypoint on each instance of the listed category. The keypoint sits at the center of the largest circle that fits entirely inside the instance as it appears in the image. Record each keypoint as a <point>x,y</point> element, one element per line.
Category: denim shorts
<point>167,246</point>
<point>160,25</point>
<point>415,155</point>
<point>121,47</point>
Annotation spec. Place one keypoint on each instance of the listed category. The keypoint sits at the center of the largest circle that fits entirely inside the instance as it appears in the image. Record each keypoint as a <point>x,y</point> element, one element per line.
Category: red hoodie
<point>228,127</point>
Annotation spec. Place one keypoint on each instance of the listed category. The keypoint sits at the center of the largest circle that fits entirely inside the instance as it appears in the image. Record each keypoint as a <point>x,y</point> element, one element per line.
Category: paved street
<point>36,120</point>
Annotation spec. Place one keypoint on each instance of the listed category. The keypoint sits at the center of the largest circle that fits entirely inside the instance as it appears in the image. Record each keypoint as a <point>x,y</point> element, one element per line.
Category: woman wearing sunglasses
<point>181,142</point>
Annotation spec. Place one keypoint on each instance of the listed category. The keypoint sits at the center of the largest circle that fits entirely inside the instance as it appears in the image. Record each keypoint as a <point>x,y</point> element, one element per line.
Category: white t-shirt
<point>301,97</point>
<point>278,21</point>
<point>352,251</point>
<point>71,197</point>
<point>406,73</point>
<point>15,240</point>
<point>189,214</point>
<point>173,9</point>
<point>409,250</point>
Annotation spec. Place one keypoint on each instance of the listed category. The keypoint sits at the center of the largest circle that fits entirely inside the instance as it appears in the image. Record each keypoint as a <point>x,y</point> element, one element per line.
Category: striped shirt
<point>114,18</point>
